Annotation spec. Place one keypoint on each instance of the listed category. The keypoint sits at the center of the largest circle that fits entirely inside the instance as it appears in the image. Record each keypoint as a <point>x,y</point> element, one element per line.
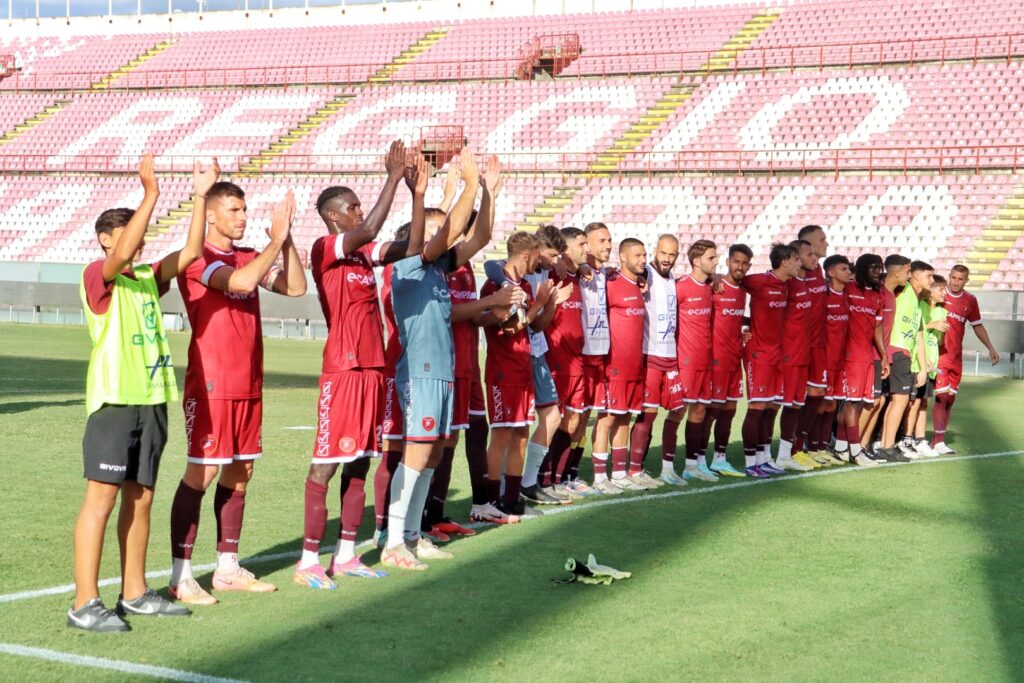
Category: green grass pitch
<point>905,573</point>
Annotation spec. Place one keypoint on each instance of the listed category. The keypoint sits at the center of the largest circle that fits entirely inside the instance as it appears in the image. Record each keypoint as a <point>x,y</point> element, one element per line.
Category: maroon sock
<point>600,465</point>
<point>767,427</point>
<point>493,487</point>
<point>315,520</point>
<point>437,496</point>
<point>513,485</point>
<point>228,508</point>
<point>788,423</point>
<point>805,430</point>
<point>723,428</point>
<point>620,460</point>
<point>710,414</point>
<point>692,433</point>
<point>639,440</point>
<point>823,429</point>
<point>353,497</point>
<point>940,417</point>
<point>382,487</point>
<point>669,440</point>
<point>575,458</point>
<point>853,433</point>
<point>476,458</point>
<point>185,509</point>
<point>752,430</point>
<point>558,456</point>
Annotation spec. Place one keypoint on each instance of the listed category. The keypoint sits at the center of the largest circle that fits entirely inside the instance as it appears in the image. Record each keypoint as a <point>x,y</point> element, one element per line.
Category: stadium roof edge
<point>435,11</point>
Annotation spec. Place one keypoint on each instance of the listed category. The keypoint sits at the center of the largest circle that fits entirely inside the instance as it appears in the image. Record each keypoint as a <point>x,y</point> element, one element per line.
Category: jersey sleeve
<point>202,269</point>
<point>97,292</point>
<point>974,314</point>
<point>161,287</point>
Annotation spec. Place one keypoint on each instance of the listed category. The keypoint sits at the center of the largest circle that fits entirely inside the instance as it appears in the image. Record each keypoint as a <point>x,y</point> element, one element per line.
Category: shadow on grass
<point>26,406</point>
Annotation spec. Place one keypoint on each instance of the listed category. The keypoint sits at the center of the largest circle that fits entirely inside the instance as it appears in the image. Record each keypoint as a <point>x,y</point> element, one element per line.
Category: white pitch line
<point>301,428</point>
<point>705,490</point>
<point>111,665</point>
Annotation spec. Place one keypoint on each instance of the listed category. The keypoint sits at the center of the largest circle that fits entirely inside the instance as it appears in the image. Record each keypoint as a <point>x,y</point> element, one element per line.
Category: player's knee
<point>697,412</point>
<point>322,473</point>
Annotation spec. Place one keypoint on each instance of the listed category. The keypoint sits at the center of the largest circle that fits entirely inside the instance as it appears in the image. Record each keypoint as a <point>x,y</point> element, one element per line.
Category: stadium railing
<point>908,159</point>
<point>939,50</point>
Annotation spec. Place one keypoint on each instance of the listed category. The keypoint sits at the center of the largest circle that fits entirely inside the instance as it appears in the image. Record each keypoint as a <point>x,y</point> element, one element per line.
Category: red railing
<point>907,160</point>
<point>847,55</point>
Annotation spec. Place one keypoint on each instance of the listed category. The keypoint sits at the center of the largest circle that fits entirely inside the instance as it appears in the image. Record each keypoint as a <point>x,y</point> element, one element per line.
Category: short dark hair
<point>740,248</point>
<point>571,233</point>
<point>434,212</point>
<point>224,189</point>
<point>938,280</point>
<point>835,260</point>
<point>916,266</point>
<point>779,253</point>
<point>113,218</point>
<point>402,234</point>
<point>629,242</point>
<point>865,262</point>
<point>698,249</point>
<point>330,193</point>
<point>961,268</point>
<point>808,230</point>
<point>551,238</point>
<point>798,244</point>
<point>596,225</point>
<point>894,260</point>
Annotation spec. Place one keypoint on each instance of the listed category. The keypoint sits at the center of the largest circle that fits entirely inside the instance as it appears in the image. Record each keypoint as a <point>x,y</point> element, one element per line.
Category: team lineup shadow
<point>26,406</point>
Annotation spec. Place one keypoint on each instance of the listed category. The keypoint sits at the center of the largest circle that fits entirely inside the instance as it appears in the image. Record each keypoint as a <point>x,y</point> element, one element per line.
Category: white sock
<point>181,570</point>
<point>692,464</point>
<point>535,454</point>
<point>841,445</point>
<point>750,460</point>
<point>855,449</point>
<point>767,450</point>
<point>785,450</point>
<point>227,563</point>
<point>344,551</point>
<point>402,486</point>
<point>667,467</point>
<point>603,457</point>
<point>719,457</point>
<point>309,558</point>
<point>414,517</point>
<point>761,458</point>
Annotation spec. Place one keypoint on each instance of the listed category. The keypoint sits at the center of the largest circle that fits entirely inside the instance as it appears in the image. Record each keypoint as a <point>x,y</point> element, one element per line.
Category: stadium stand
<point>896,123</point>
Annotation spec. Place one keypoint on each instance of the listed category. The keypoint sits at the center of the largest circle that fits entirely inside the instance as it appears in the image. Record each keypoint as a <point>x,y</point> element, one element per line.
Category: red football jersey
<point>508,355</point>
<point>768,301</point>
<point>961,310</point>
<point>465,333</point>
<point>626,327</point>
<point>225,354</point>
<point>796,342</point>
<point>693,323</point>
<point>888,316</point>
<point>865,313</point>
<point>727,327</point>
<point>837,325</point>
<point>817,290</point>
<point>394,348</point>
<point>348,297</point>
<point>565,332</point>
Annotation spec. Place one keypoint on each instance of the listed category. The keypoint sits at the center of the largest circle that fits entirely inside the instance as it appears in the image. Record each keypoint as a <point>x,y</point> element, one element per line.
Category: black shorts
<point>926,390</point>
<point>880,387</point>
<point>124,443</point>
<point>901,379</point>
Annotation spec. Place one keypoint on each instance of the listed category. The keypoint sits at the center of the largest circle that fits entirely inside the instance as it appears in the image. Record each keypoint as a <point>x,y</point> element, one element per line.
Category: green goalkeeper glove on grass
<point>591,572</point>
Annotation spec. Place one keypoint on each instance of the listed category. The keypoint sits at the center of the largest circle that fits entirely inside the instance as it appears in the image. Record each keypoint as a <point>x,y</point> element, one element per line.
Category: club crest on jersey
<point>428,423</point>
<point>347,444</point>
<point>209,444</point>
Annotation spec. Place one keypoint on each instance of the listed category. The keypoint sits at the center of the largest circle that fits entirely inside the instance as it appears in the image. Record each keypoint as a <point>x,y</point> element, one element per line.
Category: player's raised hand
<point>492,174</point>
<point>394,160</point>
<point>202,180</point>
<point>281,220</point>
<point>509,296</point>
<point>147,175</point>
<point>544,291</point>
<point>467,162</point>
<point>417,174</point>
<point>451,179</point>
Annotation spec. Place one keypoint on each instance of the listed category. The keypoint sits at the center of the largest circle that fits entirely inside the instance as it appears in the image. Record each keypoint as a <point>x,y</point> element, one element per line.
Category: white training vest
<point>538,342</point>
<point>596,335</point>
<point>660,315</point>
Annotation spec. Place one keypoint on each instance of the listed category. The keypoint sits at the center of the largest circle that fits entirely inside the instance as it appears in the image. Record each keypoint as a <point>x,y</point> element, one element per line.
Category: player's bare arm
<point>177,261</point>
<point>367,231</point>
<point>480,234</point>
<point>134,234</point>
<point>451,186</point>
<point>982,334</point>
<point>416,177</point>
<point>502,299</point>
<point>458,218</point>
<point>246,279</point>
<point>880,347</point>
